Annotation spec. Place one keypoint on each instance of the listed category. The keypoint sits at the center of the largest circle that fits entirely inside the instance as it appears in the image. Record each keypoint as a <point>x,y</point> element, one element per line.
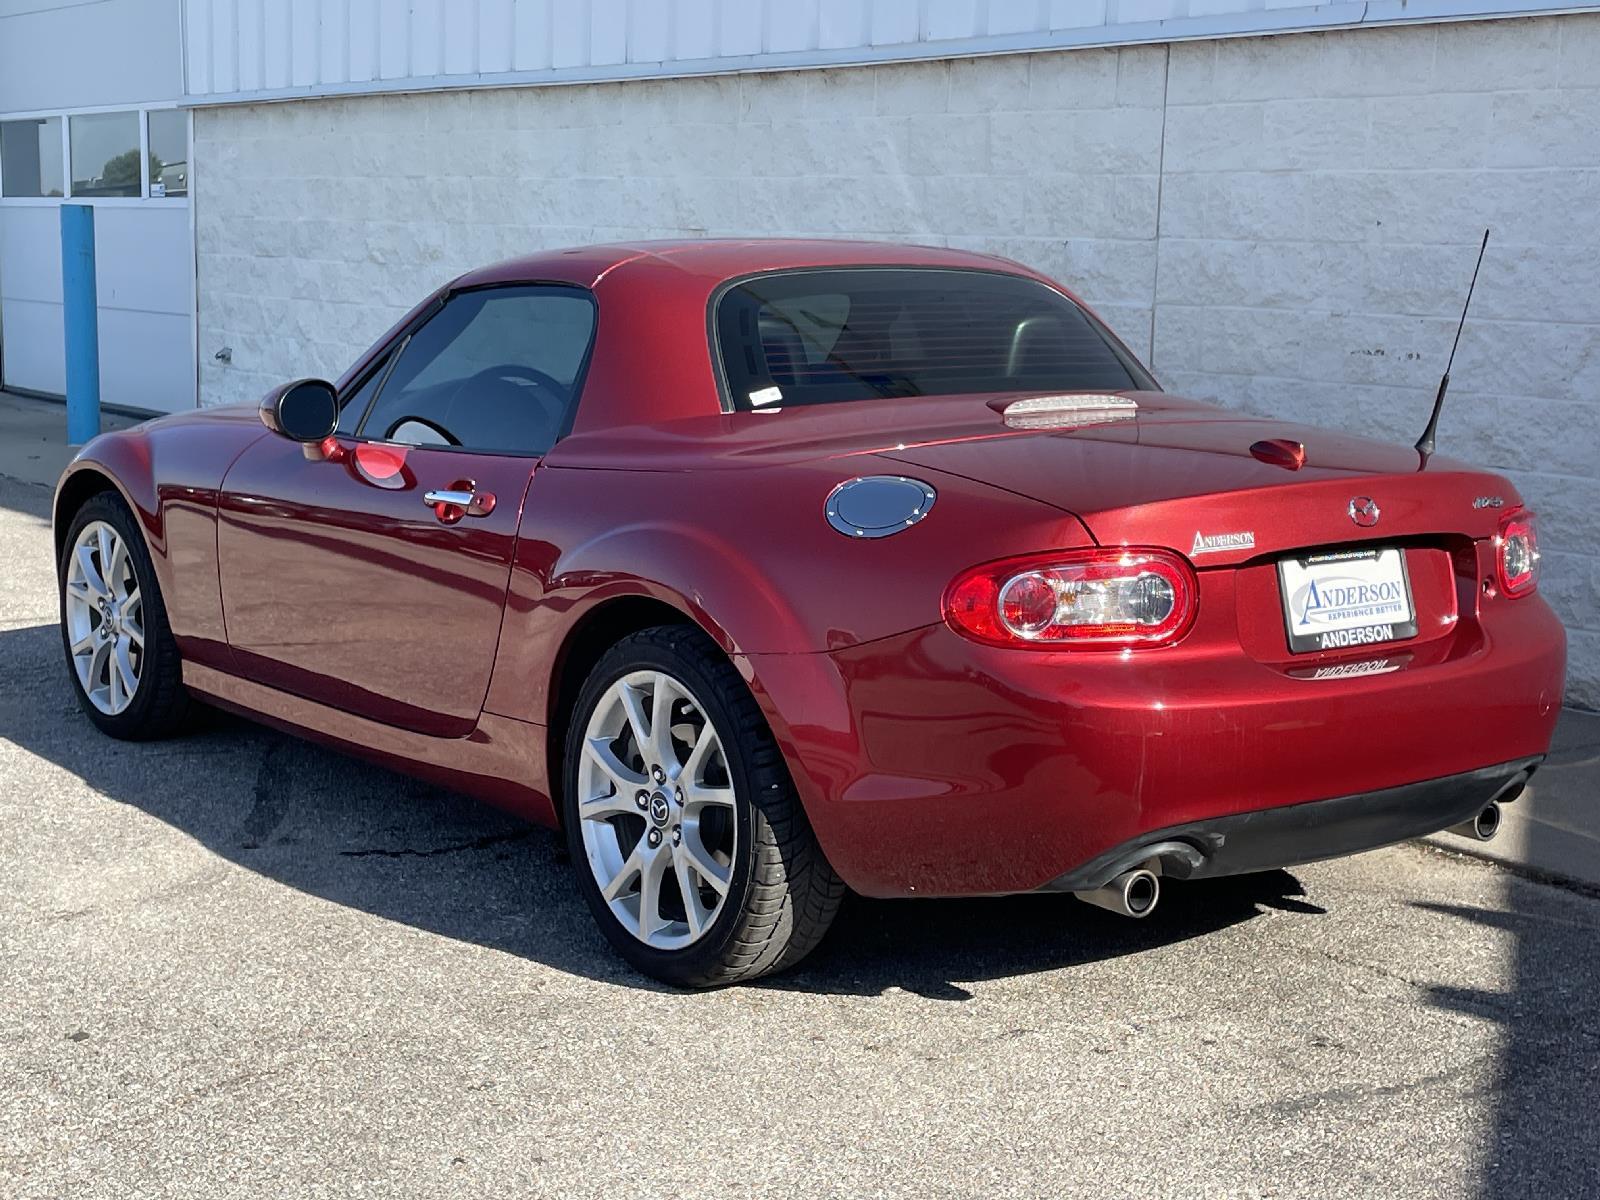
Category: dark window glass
<point>169,152</point>
<point>30,157</point>
<point>818,337</point>
<point>494,370</point>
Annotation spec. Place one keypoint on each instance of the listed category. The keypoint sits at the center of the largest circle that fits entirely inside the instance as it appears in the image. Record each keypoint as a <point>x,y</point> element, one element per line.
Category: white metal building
<point>1277,203</point>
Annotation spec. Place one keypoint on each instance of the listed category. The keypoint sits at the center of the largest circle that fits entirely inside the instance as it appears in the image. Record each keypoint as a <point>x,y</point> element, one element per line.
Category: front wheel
<point>120,651</point>
<point>691,846</point>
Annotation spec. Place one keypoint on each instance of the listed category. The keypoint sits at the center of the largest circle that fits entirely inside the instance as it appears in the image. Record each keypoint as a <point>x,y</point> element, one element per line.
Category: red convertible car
<point>767,569</point>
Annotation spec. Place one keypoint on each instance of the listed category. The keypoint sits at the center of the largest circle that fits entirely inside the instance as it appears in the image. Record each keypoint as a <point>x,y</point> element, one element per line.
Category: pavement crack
<point>68,914</point>
<point>483,843</point>
<point>1370,968</point>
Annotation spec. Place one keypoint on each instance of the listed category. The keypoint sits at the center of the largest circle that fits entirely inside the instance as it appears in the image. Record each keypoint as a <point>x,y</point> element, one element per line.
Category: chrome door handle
<point>459,500</point>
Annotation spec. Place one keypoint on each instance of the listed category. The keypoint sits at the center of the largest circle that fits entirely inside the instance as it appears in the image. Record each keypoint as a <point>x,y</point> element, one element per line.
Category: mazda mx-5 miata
<point>767,569</point>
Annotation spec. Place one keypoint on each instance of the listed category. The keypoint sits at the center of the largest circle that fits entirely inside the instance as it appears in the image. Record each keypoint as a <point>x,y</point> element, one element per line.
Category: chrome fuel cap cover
<point>875,506</point>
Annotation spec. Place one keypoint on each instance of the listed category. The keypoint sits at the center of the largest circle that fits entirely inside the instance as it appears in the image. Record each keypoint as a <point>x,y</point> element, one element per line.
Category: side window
<point>495,369</point>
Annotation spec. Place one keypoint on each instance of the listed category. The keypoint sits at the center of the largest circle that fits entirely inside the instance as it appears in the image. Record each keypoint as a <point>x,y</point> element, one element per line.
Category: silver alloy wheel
<point>656,809</point>
<point>105,618</point>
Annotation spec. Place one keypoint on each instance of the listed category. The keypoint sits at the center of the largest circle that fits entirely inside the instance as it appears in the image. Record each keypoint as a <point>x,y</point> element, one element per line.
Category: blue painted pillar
<point>82,310</point>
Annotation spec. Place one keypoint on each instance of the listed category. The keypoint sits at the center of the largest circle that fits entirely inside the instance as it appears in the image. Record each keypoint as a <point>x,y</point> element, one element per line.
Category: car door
<point>370,573</point>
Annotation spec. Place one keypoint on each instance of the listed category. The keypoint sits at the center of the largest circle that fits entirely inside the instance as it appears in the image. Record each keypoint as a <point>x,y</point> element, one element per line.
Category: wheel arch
<point>613,618</point>
<point>81,484</point>
<point>590,636</point>
<point>121,461</point>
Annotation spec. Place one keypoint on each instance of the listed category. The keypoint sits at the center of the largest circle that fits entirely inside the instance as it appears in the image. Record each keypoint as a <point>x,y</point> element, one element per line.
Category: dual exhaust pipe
<point>1136,893</point>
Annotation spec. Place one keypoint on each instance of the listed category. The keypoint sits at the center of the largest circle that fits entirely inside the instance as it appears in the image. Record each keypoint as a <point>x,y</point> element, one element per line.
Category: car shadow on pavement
<point>927,946</point>
<point>358,835</point>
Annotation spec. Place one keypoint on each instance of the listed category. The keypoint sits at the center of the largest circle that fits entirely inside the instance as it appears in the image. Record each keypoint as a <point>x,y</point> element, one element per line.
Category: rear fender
<point>746,555</point>
<point>683,568</point>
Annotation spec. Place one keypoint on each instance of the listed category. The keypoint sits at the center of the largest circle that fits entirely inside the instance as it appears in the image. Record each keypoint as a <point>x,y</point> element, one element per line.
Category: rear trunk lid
<point>1355,514</point>
<point>1182,474</point>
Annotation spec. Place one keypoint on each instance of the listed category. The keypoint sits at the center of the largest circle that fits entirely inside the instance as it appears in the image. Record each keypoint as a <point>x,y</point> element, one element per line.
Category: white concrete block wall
<point>1283,224</point>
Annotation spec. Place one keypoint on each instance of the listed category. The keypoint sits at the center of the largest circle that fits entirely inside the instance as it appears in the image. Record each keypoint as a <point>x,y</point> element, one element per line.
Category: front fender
<point>121,459</point>
<point>168,472</point>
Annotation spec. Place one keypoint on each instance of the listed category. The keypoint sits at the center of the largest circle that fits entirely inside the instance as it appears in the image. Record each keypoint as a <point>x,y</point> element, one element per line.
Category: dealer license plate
<point>1346,598</point>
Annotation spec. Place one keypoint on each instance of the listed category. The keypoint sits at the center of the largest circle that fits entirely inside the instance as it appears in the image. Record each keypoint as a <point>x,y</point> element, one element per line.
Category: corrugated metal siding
<point>246,49</point>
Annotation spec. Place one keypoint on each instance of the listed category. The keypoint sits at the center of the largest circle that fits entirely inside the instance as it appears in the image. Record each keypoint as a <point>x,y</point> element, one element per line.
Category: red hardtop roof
<point>722,258</point>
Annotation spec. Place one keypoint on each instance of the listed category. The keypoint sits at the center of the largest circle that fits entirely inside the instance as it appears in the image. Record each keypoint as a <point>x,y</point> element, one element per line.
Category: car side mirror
<point>306,410</point>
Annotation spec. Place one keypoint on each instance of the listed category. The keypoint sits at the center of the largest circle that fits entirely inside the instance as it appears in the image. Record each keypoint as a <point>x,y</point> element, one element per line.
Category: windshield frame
<point>1143,379</point>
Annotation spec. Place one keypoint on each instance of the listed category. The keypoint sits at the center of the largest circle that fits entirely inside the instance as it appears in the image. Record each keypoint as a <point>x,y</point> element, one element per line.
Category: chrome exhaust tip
<point>1481,827</point>
<point>1132,894</point>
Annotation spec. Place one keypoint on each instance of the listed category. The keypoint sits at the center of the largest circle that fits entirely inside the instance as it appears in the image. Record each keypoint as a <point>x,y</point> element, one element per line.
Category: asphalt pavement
<point>233,964</point>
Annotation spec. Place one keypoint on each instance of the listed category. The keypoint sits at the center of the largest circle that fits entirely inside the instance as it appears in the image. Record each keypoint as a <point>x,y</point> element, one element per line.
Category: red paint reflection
<point>382,466</point>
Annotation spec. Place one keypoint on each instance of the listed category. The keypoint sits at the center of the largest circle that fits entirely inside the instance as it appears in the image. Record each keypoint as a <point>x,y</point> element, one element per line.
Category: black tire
<point>160,706</point>
<point>782,894</point>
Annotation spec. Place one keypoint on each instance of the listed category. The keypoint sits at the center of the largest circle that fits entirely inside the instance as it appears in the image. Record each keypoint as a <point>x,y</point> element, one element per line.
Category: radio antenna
<point>1425,442</point>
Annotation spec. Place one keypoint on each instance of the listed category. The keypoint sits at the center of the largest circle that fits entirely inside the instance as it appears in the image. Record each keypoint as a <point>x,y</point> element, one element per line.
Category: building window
<point>105,154</point>
<point>169,152</point>
<point>30,157</point>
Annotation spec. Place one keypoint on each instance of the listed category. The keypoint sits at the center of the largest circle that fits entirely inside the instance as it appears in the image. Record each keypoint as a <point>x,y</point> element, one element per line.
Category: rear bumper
<point>932,766</point>
<point>1300,833</point>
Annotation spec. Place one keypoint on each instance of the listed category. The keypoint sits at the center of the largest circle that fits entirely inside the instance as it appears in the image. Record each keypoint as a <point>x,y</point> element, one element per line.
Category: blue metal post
<point>82,313</point>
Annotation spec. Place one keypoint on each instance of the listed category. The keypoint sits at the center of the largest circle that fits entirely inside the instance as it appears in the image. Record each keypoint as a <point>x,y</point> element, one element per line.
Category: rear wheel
<point>124,664</point>
<point>691,846</point>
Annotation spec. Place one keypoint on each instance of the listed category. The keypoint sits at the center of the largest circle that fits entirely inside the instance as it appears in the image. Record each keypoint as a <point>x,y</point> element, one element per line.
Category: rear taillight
<point>1516,553</point>
<point>1103,598</point>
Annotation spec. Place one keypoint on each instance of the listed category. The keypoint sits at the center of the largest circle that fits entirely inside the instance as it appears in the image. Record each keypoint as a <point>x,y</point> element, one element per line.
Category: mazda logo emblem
<point>1364,511</point>
<point>659,809</point>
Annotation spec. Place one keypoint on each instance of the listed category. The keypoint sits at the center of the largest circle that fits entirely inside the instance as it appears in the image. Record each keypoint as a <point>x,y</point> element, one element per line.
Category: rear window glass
<point>821,337</point>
